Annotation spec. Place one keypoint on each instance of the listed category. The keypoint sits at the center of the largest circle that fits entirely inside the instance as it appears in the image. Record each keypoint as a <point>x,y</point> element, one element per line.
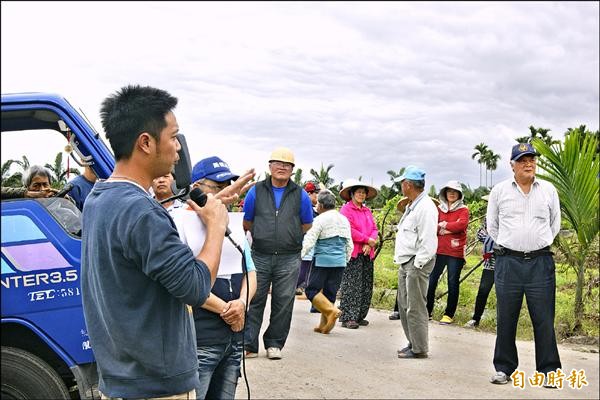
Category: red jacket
<point>453,238</point>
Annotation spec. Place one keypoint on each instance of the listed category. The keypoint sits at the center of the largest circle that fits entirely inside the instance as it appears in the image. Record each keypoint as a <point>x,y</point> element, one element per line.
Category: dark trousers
<point>485,286</point>
<point>454,265</point>
<point>534,278</point>
<point>357,289</point>
<point>324,278</point>
<point>281,273</point>
<point>305,267</point>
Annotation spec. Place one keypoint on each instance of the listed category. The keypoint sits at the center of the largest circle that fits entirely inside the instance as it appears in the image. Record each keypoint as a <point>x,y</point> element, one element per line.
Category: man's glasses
<point>218,188</point>
<point>280,164</point>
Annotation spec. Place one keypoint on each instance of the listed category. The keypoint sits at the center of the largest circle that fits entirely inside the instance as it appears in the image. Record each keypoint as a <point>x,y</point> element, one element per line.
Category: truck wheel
<point>26,376</point>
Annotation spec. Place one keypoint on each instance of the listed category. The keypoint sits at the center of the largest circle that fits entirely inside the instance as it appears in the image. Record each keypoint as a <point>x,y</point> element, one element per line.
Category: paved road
<point>362,364</point>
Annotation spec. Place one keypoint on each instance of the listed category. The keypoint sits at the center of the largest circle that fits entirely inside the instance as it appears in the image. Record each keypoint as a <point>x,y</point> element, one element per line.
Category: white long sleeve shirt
<point>328,225</point>
<point>523,222</point>
<point>417,232</point>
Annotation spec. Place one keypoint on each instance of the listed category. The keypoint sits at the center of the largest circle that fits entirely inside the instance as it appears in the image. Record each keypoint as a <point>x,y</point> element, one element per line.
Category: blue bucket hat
<point>412,173</point>
<point>522,149</point>
<point>212,168</point>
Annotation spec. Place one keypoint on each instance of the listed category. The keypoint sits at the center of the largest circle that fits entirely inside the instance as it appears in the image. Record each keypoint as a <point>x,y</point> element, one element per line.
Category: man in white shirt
<point>416,244</point>
<point>523,218</point>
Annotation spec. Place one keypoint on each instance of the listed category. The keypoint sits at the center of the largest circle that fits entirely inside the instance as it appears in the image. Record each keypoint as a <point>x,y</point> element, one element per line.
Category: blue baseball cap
<point>412,173</point>
<point>212,168</point>
<point>522,149</point>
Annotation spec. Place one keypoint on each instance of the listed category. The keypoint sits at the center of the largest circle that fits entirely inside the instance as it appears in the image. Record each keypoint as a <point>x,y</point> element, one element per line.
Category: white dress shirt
<point>523,222</point>
<point>417,232</point>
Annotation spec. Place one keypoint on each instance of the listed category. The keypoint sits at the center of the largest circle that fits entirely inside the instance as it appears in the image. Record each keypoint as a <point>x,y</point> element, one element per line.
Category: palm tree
<point>298,177</point>
<point>323,175</point>
<point>523,139</point>
<point>480,150</point>
<point>542,133</point>
<point>491,164</point>
<point>14,180</point>
<point>573,170</point>
<point>60,174</point>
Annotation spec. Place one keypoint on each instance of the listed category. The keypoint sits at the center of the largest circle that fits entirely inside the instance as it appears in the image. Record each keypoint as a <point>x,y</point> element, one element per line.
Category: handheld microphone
<point>200,198</point>
<point>66,189</point>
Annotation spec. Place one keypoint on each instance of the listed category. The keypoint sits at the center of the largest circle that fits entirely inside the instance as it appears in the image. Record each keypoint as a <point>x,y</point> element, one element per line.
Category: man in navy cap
<point>212,173</point>
<point>523,218</point>
<point>219,322</point>
<point>414,252</point>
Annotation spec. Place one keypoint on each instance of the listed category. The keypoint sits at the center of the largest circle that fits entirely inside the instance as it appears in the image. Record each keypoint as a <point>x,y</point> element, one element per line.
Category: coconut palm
<point>323,175</point>
<point>573,170</point>
<point>479,154</point>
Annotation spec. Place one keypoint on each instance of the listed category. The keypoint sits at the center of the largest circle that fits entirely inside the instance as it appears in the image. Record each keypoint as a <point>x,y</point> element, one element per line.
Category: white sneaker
<point>274,353</point>
<point>472,324</point>
<point>500,378</point>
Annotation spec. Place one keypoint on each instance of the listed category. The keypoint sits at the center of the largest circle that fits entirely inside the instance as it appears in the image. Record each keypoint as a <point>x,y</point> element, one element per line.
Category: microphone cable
<point>199,198</point>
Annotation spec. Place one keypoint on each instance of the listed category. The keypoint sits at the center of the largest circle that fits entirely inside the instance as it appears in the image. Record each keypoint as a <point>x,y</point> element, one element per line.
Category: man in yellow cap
<point>277,212</point>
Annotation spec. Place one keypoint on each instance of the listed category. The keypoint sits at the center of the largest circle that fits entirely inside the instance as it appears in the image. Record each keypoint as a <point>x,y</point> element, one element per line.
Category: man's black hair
<point>131,111</point>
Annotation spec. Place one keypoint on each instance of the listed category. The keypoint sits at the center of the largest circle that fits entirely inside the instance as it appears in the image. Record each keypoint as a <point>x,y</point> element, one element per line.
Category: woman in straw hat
<point>452,238</point>
<point>357,281</point>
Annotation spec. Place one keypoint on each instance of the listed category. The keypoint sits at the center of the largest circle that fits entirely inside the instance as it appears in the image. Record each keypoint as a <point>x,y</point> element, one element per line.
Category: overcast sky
<point>367,87</point>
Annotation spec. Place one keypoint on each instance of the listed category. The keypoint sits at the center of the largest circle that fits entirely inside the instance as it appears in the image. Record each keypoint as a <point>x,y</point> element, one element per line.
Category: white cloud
<point>367,86</point>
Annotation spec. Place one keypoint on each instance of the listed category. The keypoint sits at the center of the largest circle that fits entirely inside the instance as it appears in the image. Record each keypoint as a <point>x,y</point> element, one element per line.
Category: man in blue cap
<point>523,218</point>
<point>220,320</point>
<point>212,173</point>
<point>414,252</point>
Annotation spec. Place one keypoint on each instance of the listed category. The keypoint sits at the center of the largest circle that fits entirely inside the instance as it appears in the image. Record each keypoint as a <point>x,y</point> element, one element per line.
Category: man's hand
<point>231,193</point>
<point>233,314</point>
<point>213,214</point>
<point>41,194</point>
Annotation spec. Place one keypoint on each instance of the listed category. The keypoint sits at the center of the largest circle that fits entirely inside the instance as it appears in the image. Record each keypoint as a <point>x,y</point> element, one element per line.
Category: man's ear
<point>146,142</point>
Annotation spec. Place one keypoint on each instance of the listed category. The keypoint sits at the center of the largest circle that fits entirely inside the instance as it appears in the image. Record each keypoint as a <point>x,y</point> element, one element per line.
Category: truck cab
<point>45,345</point>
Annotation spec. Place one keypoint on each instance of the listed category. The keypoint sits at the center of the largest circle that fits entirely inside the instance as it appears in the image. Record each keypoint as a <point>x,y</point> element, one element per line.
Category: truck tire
<point>26,376</point>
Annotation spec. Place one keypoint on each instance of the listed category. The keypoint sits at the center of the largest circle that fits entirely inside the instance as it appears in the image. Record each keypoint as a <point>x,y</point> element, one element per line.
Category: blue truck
<point>46,352</point>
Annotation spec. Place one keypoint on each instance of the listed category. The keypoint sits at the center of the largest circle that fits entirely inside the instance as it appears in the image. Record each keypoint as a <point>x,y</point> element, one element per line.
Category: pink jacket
<point>362,225</point>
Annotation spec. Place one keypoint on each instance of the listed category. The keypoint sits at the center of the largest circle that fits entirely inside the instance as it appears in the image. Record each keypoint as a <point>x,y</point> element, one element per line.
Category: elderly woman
<point>36,184</point>
<point>357,281</point>
<point>331,240</point>
<point>452,237</point>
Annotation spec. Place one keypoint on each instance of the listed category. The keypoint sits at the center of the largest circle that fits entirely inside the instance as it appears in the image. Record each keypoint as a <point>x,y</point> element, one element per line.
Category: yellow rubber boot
<point>322,324</point>
<point>329,313</point>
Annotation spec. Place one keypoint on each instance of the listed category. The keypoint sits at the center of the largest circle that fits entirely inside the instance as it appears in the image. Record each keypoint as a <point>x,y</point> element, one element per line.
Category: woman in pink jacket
<point>357,281</point>
<point>452,237</point>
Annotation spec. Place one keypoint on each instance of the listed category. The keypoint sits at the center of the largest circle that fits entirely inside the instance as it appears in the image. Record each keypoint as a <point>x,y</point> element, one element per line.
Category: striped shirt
<point>523,222</point>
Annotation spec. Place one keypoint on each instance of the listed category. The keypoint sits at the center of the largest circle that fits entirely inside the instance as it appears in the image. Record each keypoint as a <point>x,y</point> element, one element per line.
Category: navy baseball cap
<point>212,168</point>
<point>411,173</point>
<point>522,149</point>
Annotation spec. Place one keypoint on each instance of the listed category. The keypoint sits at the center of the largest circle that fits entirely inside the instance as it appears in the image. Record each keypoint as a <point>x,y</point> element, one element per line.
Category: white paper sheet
<point>193,233</point>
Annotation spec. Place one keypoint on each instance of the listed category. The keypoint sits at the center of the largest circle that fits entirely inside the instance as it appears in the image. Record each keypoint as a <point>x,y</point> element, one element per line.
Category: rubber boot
<point>328,311</point>
<point>321,324</point>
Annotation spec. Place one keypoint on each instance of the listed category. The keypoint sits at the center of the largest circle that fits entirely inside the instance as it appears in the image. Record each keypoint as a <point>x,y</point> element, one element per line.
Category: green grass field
<point>386,283</point>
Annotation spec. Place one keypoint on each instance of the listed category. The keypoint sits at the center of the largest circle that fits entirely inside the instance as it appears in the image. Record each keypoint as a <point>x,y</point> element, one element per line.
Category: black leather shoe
<point>363,322</point>
<point>410,354</point>
<point>350,324</point>
<point>394,316</point>
<point>404,350</point>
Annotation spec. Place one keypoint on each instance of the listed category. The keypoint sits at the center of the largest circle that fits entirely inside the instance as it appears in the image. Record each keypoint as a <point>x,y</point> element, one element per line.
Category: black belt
<point>526,255</point>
